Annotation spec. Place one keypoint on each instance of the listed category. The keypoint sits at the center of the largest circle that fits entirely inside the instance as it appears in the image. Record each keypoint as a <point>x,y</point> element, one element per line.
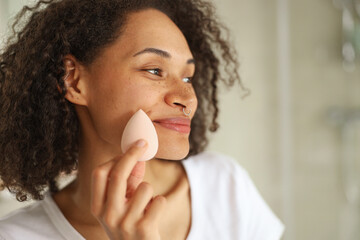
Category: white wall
<point>249,128</point>
<point>3,19</point>
<point>318,83</point>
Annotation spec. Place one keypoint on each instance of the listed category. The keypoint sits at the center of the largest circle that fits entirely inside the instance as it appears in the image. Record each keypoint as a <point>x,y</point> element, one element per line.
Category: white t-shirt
<point>224,203</point>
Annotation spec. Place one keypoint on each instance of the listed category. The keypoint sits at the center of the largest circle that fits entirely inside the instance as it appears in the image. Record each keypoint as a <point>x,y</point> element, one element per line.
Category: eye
<point>155,71</point>
<point>187,79</point>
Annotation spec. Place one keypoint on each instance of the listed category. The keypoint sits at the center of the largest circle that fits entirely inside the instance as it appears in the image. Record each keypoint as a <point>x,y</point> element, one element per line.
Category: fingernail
<point>140,143</point>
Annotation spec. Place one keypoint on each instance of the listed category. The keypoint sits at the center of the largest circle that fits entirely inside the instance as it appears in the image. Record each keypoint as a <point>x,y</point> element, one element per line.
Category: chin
<point>172,152</point>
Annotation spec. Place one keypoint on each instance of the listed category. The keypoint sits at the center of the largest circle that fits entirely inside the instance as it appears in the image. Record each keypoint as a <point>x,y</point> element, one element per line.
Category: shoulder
<point>235,202</point>
<point>41,221</point>
<point>211,156</point>
<point>21,216</point>
<point>215,165</point>
<point>29,221</point>
<point>217,172</point>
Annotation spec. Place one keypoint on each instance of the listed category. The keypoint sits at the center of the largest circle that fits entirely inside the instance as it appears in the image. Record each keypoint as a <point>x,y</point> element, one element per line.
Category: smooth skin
<point>114,196</point>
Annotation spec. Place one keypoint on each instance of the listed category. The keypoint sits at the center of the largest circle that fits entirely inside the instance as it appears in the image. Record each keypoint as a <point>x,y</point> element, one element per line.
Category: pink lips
<point>181,125</point>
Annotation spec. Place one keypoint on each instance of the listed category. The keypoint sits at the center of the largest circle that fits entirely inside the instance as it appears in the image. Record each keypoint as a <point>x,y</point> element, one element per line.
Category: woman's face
<point>148,68</point>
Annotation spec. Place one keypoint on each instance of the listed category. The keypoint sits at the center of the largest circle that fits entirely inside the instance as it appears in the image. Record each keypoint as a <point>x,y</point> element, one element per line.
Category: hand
<point>121,202</point>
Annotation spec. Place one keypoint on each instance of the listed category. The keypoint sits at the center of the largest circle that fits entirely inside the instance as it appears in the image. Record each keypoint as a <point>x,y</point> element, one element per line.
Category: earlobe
<point>75,89</point>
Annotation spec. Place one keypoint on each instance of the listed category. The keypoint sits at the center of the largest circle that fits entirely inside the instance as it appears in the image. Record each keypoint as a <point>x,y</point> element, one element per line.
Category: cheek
<point>134,96</point>
<point>113,106</point>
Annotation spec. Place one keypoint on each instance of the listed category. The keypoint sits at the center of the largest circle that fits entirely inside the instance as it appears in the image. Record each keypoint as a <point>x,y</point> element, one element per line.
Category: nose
<point>182,96</point>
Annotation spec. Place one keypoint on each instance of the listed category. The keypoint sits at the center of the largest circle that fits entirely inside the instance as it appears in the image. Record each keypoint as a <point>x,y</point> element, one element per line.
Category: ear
<point>75,81</point>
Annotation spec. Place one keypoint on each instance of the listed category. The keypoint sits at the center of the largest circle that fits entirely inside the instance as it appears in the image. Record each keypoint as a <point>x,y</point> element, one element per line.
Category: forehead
<point>152,28</point>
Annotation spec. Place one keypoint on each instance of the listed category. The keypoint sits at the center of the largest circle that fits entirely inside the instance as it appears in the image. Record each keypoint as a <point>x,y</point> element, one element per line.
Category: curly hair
<point>39,128</point>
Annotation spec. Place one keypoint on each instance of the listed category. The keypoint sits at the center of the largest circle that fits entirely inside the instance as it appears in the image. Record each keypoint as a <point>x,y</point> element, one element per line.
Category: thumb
<point>135,178</point>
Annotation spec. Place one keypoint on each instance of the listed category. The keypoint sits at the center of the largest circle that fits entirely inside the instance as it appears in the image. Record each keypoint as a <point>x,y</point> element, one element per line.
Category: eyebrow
<point>161,53</point>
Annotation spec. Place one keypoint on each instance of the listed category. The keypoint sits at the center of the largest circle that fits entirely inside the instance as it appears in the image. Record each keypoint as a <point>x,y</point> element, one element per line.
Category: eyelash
<point>154,69</point>
<point>159,71</point>
<point>190,79</point>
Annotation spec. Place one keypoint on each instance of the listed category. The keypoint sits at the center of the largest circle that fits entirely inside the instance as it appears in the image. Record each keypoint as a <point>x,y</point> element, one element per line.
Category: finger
<point>99,181</point>
<point>141,198</point>
<point>117,185</point>
<point>135,178</point>
<point>155,209</point>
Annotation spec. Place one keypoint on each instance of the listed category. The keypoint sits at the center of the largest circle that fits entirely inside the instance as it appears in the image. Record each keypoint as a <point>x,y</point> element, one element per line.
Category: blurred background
<point>298,133</point>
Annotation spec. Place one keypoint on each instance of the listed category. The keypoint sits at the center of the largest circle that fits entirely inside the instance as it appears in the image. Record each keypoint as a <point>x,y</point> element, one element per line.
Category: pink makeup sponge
<point>138,127</point>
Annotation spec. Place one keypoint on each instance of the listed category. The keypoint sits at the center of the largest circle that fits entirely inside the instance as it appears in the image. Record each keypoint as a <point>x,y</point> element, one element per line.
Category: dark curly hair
<point>39,127</point>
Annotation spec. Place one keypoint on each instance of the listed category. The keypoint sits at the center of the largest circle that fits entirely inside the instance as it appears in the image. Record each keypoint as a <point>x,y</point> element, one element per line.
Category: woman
<point>73,76</point>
